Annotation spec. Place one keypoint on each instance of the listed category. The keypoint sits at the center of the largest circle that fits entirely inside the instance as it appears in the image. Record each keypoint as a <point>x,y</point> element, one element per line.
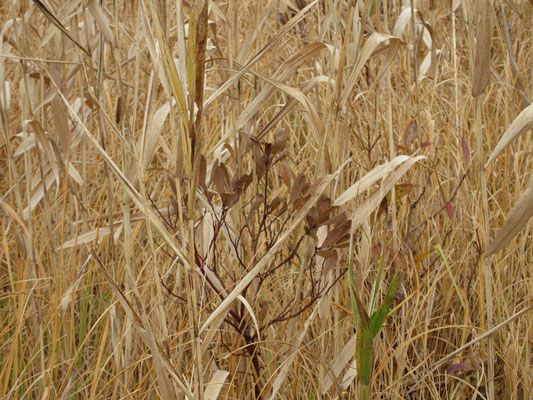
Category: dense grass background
<point>173,181</point>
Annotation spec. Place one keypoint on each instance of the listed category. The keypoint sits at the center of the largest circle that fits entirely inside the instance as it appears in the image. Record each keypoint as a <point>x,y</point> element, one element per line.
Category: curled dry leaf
<point>366,52</point>
<point>517,218</point>
<point>372,177</point>
<point>411,133</point>
<point>520,124</point>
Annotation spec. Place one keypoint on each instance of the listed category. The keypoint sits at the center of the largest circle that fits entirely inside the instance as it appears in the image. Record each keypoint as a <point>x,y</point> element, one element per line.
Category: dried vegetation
<point>265,199</point>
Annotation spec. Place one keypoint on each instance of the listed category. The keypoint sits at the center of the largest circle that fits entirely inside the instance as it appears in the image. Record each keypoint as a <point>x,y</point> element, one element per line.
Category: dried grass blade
<point>515,221</point>
<point>273,41</point>
<point>128,187</point>
<point>58,24</point>
<point>251,312</point>
<point>366,52</point>
<point>363,211</point>
<point>291,104</point>
<point>160,364</point>
<point>168,62</point>
<point>285,70</point>
<point>342,360</point>
<point>153,136</point>
<point>42,186</point>
<point>483,29</point>
<point>316,124</point>
<point>212,389</point>
<point>520,124</point>
<point>370,178</point>
<point>45,144</point>
<point>61,122</point>
<point>11,212</point>
<point>280,379</point>
<point>101,21</point>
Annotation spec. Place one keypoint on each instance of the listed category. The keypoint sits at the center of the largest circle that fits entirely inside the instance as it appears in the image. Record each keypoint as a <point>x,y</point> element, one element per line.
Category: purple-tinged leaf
<point>410,134</point>
<point>450,209</point>
<point>460,367</point>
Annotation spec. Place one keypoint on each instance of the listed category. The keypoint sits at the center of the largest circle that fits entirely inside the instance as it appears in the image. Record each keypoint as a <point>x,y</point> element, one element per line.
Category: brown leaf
<point>410,134</point>
<point>229,199</point>
<point>324,206</point>
<point>275,204</point>
<point>280,143</point>
<point>326,253</point>
<point>309,190</point>
<point>297,187</point>
<point>331,262</point>
<point>459,369</point>
<point>202,173</point>
<point>334,220</point>
<point>259,199</point>
<point>335,234</point>
<point>259,158</point>
<point>287,175</point>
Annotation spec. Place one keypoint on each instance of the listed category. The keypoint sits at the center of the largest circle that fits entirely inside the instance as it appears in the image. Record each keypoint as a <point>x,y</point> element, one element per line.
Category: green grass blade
<point>378,318</point>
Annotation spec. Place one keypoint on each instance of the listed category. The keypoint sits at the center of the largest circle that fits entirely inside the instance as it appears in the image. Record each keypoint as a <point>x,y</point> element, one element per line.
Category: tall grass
<point>252,200</point>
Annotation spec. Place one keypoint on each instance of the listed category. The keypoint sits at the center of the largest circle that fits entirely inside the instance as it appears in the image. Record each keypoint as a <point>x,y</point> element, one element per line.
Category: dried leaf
<point>520,124</point>
<point>362,212</point>
<point>517,218</point>
<point>483,34</point>
<point>295,348</point>
<point>450,209</point>
<point>411,133</point>
<point>366,52</point>
<point>331,262</point>
<point>92,235</point>
<point>335,234</point>
<point>229,199</point>
<point>466,150</point>
<point>212,389</point>
<point>372,177</point>
<point>202,171</point>
<point>58,24</point>
<point>259,199</point>
<point>172,183</point>
<point>333,220</point>
<point>101,21</point>
<point>60,114</point>
<point>287,175</point>
<point>340,362</point>
<point>256,57</point>
<point>153,134</point>
<point>461,367</point>
<point>297,187</point>
<point>280,143</point>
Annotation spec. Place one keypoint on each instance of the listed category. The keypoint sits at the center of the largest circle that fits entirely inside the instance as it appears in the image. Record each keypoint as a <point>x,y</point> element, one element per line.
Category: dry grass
<point>174,178</point>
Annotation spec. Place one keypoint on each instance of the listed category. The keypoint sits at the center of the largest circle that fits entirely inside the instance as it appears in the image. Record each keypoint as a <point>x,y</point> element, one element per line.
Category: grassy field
<point>266,200</point>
